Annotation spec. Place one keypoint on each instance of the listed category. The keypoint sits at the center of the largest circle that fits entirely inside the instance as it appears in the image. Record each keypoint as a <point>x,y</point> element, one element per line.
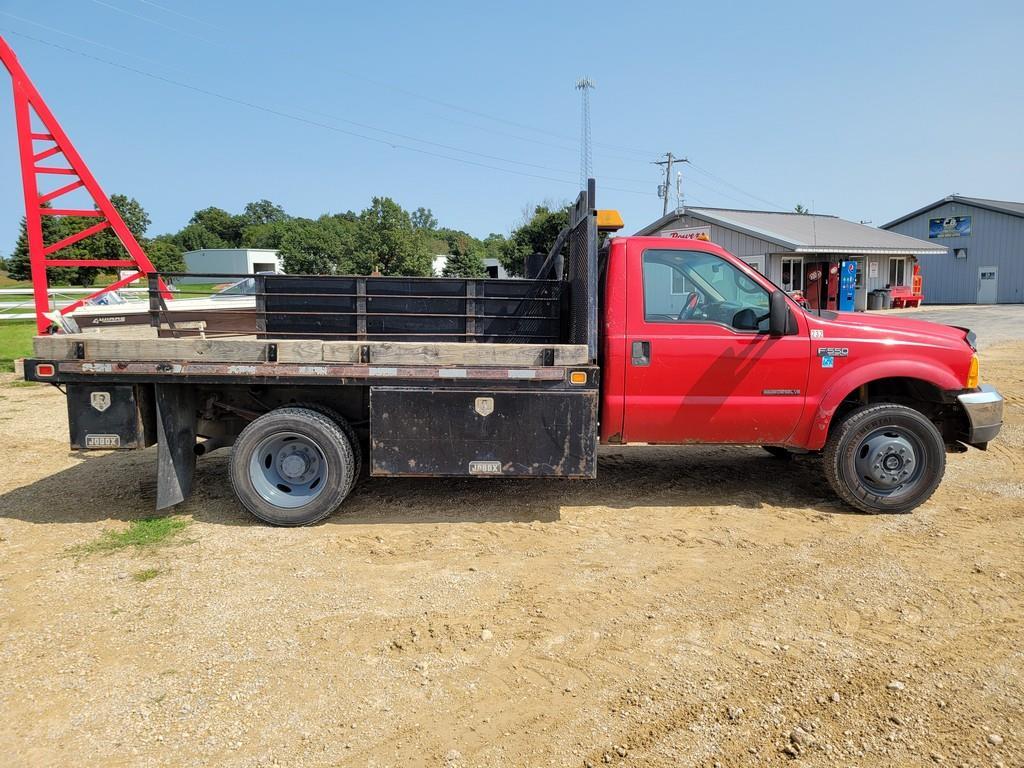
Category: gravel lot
<point>691,607</point>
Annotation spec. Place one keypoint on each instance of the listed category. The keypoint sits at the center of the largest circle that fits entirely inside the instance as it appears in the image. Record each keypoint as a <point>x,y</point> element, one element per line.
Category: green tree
<point>195,237</point>
<point>166,255</point>
<point>800,208</point>
<point>423,218</point>
<point>536,234</point>
<point>388,241</point>
<point>467,264</point>
<point>227,227</point>
<point>104,244</point>
<point>262,212</point>
<point>19,266</point>
<point>316,248</point>
<point>267,235</point>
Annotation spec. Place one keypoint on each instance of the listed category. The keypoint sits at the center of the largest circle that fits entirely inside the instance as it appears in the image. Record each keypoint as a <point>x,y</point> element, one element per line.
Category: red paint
<point>710,383</point>
<point>27,102</point>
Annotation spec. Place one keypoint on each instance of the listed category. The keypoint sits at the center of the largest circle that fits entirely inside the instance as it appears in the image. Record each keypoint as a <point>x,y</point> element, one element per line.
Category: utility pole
<point>664,189</point>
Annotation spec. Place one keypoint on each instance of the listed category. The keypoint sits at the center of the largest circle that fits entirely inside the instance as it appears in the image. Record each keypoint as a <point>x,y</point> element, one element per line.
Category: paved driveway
<point>994,324</point>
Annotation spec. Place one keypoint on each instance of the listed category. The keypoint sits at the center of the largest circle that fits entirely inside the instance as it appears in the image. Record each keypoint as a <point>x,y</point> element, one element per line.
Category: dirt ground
<point>697,606</point>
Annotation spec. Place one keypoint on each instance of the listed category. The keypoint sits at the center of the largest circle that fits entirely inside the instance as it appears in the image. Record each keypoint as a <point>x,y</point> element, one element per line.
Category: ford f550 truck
<point>640,340</point>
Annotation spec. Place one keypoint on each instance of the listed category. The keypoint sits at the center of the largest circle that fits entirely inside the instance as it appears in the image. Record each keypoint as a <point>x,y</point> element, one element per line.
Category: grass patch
<point>15,341</point>
<point>145,574</point>
<point>199,290</point>
<point>21,383</point>
<point>149,532</point>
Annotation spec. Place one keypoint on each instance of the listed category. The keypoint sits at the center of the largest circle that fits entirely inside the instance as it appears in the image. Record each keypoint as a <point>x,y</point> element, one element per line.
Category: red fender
<point>855,376</point>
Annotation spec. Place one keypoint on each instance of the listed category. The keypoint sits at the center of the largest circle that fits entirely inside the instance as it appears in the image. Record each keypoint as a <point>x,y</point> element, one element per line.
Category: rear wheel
<point>345,427</point>
<point>885,458</point>
<point>292,466</point>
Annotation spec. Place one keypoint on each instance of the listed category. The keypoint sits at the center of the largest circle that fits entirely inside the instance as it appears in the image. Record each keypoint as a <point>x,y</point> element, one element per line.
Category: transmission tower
<point>584,85</point>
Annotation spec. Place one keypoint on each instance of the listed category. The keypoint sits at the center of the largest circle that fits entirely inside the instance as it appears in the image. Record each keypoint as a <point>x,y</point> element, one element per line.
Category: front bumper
<point>984,409</point>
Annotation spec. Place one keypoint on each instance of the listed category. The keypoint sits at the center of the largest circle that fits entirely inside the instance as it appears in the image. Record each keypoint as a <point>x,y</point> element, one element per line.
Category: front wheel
<point>292,466</point>
<point>885,458</point>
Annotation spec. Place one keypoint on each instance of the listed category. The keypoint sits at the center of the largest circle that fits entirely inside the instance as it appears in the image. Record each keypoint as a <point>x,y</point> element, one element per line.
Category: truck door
<point>701,366</point>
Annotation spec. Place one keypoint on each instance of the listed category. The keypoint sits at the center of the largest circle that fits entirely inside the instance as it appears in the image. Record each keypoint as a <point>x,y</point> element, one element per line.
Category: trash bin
<point>875,299</point>
<point>886,298</point>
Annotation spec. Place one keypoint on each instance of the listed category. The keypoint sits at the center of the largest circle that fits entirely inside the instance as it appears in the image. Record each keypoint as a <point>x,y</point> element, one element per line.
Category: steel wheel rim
<point>889,461</point>
<point>288,470</point>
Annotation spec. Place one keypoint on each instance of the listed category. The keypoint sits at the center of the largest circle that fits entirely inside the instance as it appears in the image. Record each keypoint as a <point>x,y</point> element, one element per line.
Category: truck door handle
<point>641,353</point>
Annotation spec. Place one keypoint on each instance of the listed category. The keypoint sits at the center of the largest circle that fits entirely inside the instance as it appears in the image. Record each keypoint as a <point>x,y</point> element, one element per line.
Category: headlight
<point>973,374</point>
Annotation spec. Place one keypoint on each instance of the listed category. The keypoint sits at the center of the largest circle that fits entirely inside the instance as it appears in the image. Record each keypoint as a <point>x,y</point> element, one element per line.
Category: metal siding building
<point>231,261</point>
<point>993,249</point>
<point>784,246</point>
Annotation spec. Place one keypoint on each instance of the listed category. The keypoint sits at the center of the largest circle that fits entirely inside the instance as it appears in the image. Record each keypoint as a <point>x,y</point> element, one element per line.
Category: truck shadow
<point>121,486</point>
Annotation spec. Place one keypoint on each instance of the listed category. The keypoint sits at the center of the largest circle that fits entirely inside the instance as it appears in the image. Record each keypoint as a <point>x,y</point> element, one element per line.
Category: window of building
<point>680,286</point>
<point>715,291</point>
<point>792,273</point>
<point>898,270</point>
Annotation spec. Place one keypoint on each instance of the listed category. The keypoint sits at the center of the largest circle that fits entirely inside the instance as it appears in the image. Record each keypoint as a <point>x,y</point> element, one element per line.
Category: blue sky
<point>865,110</point>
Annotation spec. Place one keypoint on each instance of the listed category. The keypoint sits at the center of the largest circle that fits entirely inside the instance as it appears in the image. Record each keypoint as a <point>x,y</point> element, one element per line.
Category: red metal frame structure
<point>55,142</point>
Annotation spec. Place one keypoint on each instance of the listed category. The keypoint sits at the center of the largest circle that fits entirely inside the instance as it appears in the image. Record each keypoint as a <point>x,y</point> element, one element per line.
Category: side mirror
<point>780,321</point>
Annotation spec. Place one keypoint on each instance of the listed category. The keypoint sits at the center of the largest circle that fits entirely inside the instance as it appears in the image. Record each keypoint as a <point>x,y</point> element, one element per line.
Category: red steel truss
<point>34,148</point>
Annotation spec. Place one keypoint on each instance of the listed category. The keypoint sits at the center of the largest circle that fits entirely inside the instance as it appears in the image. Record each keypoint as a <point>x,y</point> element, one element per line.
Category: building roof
<point>233,250</point>
<point>1000,206</point>
<point>804,232</point>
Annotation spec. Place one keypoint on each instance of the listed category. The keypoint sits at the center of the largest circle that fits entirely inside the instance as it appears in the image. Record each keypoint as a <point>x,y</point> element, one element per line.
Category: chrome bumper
<point>984,409</point>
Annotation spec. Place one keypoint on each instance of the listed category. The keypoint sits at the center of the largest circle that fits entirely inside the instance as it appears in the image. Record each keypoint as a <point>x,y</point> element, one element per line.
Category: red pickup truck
<point>701,348</point>
<point>638,340</point>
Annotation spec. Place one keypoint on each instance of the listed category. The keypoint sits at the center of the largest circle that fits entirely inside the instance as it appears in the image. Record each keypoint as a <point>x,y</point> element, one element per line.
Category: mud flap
<point>176,440</point>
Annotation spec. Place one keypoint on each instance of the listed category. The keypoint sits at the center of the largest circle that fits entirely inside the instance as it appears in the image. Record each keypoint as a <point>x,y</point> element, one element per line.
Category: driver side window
<point>699,287</point>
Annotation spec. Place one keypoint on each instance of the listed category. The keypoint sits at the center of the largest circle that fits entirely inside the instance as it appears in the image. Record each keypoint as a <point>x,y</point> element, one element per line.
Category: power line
<point>392,86</point>
<point>733,186</point>
<point>629,180</point>
<point>153,21</point>
<point>179,14</point>
<point>87,40</point>
<point>298,118</point>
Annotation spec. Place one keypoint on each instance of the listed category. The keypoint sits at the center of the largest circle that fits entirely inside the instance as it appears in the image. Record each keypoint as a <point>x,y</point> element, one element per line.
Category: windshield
<point>245,287</point>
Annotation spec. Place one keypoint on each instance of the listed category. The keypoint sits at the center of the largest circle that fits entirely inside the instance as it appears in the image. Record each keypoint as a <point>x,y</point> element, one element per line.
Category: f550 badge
<point>833,352</point>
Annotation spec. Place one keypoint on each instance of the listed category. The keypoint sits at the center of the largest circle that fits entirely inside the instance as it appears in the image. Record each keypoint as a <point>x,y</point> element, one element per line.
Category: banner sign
<point>689,233</point>
<point>949,226</point>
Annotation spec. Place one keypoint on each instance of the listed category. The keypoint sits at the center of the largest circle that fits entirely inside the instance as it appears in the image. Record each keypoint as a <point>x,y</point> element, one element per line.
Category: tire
<point>350,433</point>
<point>778,451</point>
<point>885,458</point>
<point>292,466</point>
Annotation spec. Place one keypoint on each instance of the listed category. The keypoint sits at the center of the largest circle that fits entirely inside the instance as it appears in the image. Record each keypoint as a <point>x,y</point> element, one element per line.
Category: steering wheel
<point>689,307</point>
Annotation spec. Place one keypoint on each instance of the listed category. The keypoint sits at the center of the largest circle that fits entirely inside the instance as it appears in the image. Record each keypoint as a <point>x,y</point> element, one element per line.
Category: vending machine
<point>847,285</point>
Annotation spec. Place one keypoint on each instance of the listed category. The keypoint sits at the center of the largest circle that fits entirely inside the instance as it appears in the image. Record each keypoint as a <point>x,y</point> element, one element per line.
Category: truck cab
<point>699,347</point>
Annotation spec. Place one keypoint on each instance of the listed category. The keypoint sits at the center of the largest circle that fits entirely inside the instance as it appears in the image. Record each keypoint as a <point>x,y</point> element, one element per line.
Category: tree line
<point>383,237</point>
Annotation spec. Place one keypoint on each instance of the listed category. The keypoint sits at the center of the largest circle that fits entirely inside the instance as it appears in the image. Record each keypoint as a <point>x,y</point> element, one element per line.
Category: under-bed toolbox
<point>443,432</point>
